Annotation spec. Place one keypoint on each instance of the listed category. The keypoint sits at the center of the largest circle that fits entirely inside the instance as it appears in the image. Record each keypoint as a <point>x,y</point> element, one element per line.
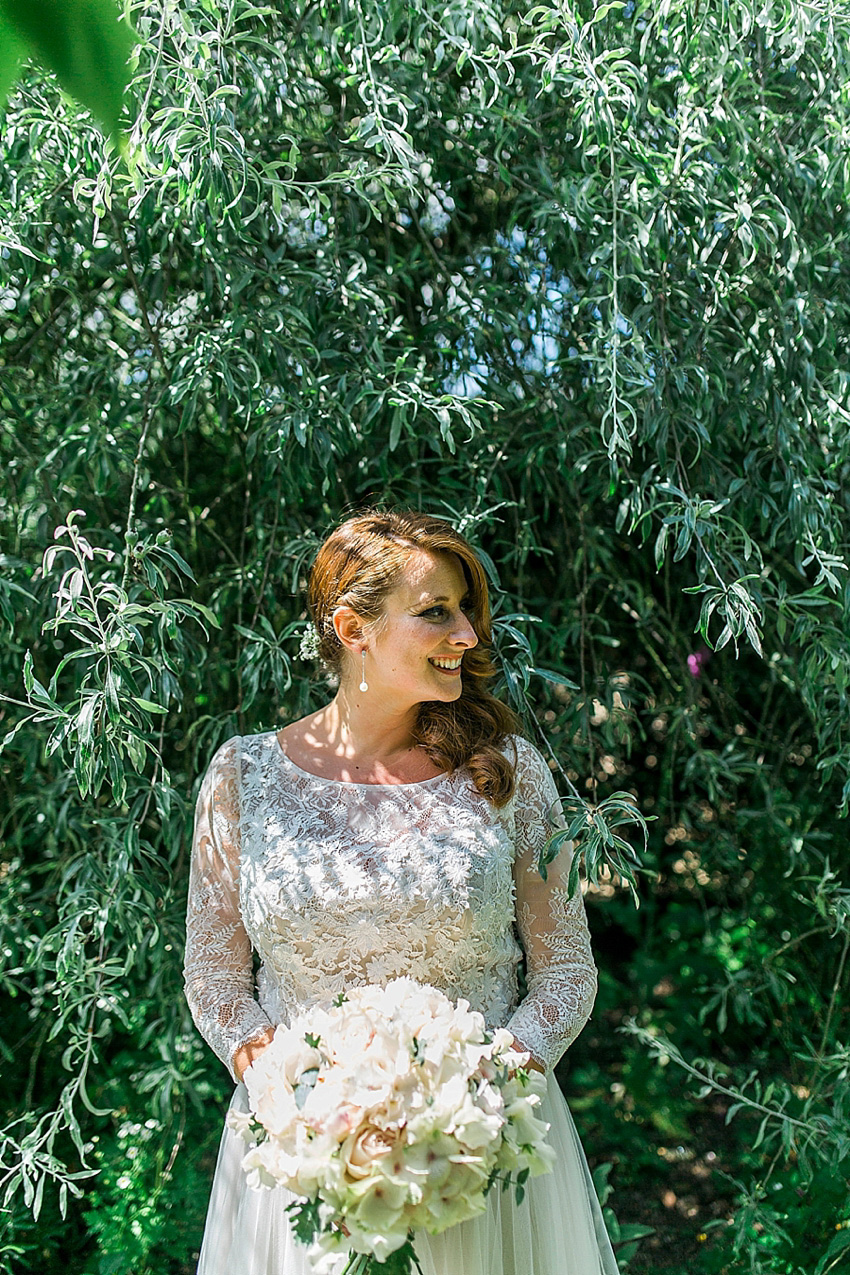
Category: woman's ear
<point>349,628</point>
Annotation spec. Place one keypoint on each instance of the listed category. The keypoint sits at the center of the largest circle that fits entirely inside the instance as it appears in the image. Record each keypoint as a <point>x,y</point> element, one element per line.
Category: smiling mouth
<point>447,665</point>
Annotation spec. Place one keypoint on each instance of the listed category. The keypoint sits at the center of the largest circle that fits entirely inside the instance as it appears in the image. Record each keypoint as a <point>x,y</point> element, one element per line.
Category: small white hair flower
<point>308,648</point>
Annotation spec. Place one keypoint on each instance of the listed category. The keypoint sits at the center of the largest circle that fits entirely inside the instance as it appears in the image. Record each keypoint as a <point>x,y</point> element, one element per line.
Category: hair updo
<point>357,566</point>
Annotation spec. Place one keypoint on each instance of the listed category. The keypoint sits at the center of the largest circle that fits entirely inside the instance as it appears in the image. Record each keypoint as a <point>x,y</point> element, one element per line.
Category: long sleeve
<point>217,970</point>
<point>552,927</point>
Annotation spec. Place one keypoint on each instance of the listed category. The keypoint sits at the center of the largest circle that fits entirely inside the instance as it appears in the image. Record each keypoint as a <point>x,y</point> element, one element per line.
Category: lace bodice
<point>335,884</point>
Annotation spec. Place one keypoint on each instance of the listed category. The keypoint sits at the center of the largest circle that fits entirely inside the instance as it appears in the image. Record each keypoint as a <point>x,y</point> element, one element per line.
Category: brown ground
<point>692,1193</point>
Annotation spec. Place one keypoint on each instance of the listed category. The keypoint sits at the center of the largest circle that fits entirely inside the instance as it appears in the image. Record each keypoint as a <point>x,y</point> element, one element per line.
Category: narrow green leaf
<point>85,42</point>
<point>29,676</point>
<point>13,51</point>
<point>149,706</point>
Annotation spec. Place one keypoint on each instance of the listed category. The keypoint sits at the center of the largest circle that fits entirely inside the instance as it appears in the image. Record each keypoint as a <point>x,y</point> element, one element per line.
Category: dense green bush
<point>573,276</point>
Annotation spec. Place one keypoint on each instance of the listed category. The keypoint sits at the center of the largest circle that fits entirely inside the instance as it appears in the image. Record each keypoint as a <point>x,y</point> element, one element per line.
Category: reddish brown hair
<point>357,566</point>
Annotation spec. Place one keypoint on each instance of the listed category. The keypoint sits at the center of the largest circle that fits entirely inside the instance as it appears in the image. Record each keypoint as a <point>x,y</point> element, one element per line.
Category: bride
<point>395,831</point>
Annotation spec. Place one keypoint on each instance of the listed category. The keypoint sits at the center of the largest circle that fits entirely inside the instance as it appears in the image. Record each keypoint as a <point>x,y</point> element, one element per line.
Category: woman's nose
<point>465,633</point>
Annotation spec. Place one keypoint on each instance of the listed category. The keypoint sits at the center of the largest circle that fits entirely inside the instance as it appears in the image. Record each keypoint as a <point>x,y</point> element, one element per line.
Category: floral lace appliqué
<point>336,884</point>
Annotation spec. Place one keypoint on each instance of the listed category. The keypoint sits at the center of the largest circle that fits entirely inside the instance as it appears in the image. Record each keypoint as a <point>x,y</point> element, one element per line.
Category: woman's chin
<point>445,694</point>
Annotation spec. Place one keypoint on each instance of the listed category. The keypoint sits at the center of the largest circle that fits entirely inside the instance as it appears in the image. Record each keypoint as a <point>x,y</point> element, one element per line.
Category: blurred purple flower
<point>696,661</point>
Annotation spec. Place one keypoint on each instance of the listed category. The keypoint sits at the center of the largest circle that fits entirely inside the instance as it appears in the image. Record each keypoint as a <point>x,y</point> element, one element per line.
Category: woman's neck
<point>358,730</point>
<point>359,742</point>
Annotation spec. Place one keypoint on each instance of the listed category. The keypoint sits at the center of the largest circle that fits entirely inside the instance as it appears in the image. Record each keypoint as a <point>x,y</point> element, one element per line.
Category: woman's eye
<point>440,611</point>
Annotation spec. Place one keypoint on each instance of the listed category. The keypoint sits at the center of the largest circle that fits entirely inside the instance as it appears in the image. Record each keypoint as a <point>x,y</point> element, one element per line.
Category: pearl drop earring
<point>364,686</point>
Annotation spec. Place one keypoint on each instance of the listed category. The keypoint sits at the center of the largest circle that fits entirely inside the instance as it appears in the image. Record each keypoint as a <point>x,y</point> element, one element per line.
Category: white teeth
<point>446,663</point>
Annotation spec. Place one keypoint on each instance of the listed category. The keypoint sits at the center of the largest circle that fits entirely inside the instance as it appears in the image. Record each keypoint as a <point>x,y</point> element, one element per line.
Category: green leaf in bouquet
<point>519,1189</point>
<point>305,1219</point>
<point>305,1086</point>
<point>401,1262</point>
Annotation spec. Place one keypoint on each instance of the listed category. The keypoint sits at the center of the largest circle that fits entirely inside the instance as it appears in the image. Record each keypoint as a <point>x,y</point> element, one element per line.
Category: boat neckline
<point>352,783</point>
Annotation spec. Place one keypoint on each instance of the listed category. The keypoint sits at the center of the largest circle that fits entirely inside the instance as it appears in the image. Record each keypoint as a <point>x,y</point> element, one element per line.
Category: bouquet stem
<point>401,1262</point>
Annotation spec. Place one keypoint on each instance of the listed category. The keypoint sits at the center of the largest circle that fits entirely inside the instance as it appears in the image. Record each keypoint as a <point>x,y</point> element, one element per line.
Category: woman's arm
<point>534,1066</point>
<point>217,970</point>
<point>561,973</point>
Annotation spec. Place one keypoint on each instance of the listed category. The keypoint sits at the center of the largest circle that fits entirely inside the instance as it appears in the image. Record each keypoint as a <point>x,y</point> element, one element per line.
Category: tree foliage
<point>82,41</point>
<point>572,275</point>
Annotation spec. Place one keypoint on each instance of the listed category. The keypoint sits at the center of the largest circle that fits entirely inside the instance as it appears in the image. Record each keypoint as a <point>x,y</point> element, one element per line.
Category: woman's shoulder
<point>237,749</point>
<point>521,752</point>
<point>532,770</point>
<point>224,755</point>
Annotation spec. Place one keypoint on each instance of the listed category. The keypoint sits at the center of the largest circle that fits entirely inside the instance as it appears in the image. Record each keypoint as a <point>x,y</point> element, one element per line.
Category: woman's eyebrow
<point>430,598</point>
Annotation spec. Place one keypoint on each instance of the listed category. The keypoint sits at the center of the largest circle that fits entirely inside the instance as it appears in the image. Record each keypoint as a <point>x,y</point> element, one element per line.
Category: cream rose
<point>361,1149</point>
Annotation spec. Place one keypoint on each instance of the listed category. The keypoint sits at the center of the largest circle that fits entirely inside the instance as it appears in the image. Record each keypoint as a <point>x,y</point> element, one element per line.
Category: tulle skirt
<point>557,1230</point>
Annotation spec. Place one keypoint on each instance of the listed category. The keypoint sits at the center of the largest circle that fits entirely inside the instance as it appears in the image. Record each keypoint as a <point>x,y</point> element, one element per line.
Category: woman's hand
<point>246,1054</point>
<point>531,1065</point>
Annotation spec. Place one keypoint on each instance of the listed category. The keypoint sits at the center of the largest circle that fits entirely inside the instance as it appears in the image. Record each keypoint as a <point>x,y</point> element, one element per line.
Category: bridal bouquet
<point>392,1111</point>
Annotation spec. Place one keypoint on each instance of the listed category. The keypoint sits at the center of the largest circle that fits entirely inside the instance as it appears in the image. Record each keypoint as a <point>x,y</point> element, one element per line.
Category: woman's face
<point>417,652</point>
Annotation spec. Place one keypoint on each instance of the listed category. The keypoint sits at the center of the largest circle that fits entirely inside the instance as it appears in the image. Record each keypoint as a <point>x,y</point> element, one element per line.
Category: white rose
<point>363,1148</point>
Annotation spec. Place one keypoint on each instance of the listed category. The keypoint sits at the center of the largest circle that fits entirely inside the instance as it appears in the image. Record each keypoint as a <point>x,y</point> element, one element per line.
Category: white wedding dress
<point>336,884</point>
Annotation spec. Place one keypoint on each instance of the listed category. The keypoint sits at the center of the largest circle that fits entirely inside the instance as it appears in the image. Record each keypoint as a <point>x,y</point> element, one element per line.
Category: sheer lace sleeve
<point>552,927</point>
<point>217,970</point>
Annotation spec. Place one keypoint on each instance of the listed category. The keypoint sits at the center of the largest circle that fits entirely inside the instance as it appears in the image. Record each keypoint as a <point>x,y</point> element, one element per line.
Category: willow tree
<point>574,276</point>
